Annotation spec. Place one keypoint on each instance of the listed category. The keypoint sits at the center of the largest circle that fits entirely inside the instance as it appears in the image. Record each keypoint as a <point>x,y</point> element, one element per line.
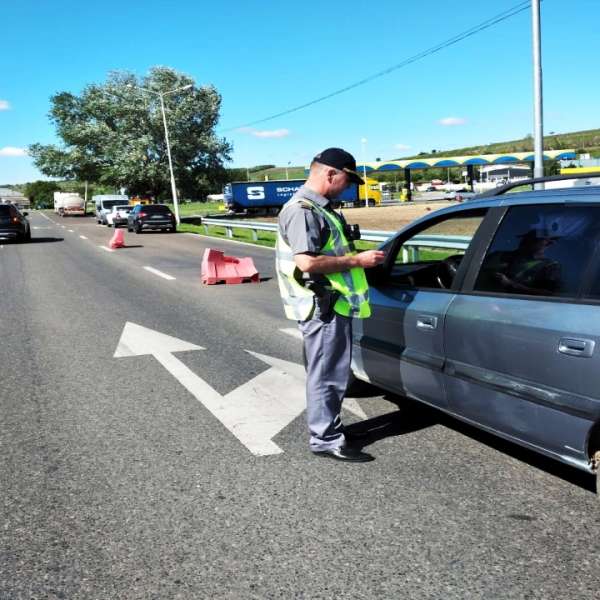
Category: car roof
<point>588,194</point>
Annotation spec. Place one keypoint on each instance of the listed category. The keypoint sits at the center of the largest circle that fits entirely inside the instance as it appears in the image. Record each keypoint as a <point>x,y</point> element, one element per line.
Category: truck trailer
<point>270,196</point>
<point>68,204</point>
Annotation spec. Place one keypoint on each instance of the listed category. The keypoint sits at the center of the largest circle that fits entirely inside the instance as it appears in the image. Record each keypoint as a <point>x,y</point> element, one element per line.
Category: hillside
<point>581,141</point>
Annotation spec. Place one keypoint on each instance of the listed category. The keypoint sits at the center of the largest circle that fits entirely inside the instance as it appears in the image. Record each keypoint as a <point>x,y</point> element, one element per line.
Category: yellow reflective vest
<point>351,285</point>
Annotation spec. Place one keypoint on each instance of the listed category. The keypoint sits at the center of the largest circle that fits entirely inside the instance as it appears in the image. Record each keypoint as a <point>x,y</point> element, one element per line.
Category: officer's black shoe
<point>346,453</point>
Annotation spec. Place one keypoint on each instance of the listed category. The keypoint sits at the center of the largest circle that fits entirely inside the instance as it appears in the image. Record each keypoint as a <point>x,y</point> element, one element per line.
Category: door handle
<point>576,347</point>
<point>426,322</point>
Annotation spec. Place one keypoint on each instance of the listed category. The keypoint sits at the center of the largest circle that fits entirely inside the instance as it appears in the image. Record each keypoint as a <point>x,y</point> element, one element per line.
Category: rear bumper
<point>157,224</point>
<point>10,233</point>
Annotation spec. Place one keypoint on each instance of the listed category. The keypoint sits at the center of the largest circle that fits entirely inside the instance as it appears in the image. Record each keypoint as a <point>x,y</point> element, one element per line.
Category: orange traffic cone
<point>118,239</point>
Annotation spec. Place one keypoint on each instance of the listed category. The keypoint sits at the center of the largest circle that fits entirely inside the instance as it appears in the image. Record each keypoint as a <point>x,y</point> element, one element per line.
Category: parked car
<point>14,224</point>
<point>118,215</point>
<point>459,195</point>
<point>490,311</point>
<point>151,216</point>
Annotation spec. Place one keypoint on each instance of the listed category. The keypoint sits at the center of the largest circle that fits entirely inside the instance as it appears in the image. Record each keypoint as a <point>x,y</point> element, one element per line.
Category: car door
<point>522,341</point>
<point>401,346</point>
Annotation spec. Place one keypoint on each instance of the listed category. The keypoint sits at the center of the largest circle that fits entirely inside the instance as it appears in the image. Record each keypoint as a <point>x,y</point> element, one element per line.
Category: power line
<point>503,16</point>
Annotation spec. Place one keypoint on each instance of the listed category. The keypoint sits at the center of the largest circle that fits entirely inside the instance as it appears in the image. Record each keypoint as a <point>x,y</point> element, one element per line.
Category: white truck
<point>68,203</point>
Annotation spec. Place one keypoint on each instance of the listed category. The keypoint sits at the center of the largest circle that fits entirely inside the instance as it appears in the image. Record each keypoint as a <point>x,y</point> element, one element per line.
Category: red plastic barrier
<point>218,268</point>
<point>118,239</point>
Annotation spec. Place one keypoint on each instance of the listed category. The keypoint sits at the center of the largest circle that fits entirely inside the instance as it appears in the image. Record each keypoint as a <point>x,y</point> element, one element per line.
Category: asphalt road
<point>116,483</point>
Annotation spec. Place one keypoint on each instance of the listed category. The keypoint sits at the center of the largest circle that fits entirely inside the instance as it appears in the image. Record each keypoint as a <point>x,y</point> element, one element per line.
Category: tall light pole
<point>161,96</point>
<point>538,129</point>
<point>363,142</point>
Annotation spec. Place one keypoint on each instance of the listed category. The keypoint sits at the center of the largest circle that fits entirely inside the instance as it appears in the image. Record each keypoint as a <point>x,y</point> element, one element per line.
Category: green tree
<point>41,193</point>
<point>113,134</point>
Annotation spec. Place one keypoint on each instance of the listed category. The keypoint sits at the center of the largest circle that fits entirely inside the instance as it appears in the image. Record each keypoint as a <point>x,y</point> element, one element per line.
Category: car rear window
<point>4,211</point>
<point>156,208</point>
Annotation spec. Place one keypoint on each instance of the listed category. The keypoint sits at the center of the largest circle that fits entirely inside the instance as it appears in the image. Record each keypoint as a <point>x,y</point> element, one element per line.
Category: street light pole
<point>538,129</point>
<point>161,96</point>
<point>173,187</point>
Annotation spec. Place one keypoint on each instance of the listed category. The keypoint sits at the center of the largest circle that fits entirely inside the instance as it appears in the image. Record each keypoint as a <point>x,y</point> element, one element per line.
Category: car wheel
<point>129,229</point>
<point>173,230</point>
<point>138,228</point>
<point>27,237</point>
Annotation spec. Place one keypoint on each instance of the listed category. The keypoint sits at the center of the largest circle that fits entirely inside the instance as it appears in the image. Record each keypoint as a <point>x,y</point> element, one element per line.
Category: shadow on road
<point>34,240</point>
<point>413,416</point>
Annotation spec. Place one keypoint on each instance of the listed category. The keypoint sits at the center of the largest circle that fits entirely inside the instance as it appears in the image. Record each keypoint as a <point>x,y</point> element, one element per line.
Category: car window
<point>4,211</point>
<point>540,251</point>
<point>156,208</point>
<point>430,258</point>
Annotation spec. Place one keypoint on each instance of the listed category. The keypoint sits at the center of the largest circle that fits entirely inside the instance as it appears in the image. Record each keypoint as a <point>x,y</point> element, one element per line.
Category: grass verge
<point>265,238</point>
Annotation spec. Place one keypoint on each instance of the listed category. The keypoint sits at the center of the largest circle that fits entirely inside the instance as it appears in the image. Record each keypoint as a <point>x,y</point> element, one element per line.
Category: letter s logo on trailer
<point>256,192</point>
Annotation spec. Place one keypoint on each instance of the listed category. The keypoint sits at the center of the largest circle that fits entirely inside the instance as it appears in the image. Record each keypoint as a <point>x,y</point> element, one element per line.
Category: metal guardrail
<point>255,226</point>
<point>411,249</point>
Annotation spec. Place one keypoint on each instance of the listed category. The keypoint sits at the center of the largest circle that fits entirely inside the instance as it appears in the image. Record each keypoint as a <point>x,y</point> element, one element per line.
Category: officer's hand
<point>370,258</point>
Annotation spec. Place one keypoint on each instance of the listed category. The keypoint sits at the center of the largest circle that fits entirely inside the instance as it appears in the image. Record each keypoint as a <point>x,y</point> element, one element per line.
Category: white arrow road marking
<point>350,404</point>
<point>255,412</point>
<point>83,237</point>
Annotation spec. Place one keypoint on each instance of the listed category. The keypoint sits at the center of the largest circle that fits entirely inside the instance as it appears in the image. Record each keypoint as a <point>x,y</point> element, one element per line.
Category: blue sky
<point>265,57</point>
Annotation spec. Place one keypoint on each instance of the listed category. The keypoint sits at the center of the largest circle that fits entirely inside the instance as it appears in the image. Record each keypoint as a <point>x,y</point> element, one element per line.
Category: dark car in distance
<point>151,216</point>
<point>14,224</point>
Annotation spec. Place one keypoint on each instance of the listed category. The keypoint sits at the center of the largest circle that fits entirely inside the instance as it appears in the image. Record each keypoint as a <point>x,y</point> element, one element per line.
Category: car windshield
<point>110,203</point>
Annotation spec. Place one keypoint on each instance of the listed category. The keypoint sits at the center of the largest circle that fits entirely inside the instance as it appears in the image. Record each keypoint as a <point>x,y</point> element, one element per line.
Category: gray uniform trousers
<point>327,356</point>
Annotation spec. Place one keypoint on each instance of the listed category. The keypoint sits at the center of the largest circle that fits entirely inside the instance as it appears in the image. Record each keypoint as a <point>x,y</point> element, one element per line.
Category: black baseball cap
<point>341,160</point>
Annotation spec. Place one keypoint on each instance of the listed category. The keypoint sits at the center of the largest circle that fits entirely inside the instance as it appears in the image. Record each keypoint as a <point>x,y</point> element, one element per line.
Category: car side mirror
<point>25,213</point>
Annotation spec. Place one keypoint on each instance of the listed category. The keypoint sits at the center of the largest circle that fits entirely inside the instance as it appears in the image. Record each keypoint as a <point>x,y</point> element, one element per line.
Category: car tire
<point>27,237</point>
<point>138,229</point>
<point>129,229</point>
<point>172,230</point>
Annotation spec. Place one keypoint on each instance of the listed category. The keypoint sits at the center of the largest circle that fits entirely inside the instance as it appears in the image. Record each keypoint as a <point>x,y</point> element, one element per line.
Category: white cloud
<point>12,151</point>
<point>266,133</point>
<point>273,133</point>
<point>452,121</point>
<point>4,105</point>
<point>401,147</point>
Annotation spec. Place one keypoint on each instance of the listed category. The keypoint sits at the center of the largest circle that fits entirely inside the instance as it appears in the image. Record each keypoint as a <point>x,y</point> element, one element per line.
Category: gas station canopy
<point>463,161</point>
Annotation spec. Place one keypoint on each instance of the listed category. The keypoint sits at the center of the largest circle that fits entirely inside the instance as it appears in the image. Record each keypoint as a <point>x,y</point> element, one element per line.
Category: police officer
<point>323,286</point>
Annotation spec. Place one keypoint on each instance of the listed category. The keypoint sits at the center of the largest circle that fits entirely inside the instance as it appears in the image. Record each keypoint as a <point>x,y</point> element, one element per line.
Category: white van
<point>104,204</point>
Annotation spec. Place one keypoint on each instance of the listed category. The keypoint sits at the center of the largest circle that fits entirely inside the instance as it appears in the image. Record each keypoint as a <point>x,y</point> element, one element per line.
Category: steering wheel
<point>446,270</point>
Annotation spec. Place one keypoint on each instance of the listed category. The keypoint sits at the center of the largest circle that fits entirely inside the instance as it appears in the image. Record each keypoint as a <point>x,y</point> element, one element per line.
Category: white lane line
<point>350,404</point>
<point>71,231</point>
<point>159,273</point>
<point>105,248</point>
<point>293,332</point>
<point>83,237</point>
